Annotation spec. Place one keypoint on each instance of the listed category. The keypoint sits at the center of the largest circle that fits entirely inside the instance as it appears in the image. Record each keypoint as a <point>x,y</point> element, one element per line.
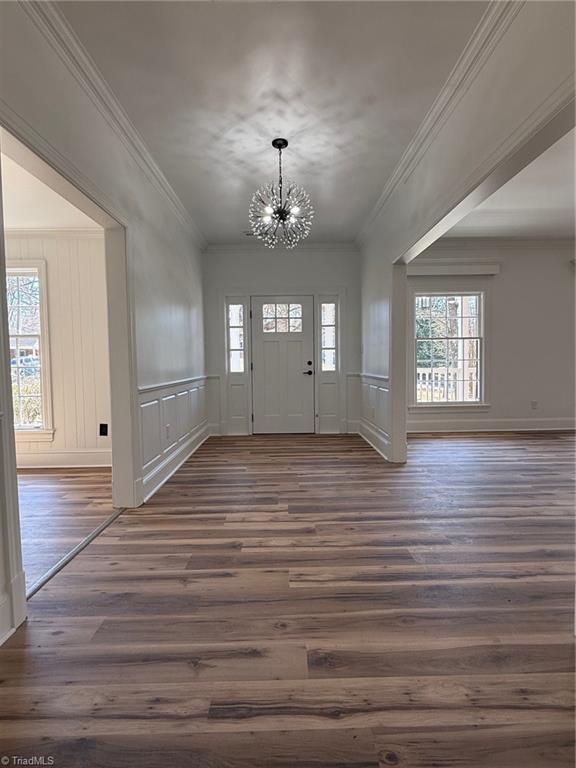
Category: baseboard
<point>489,425</point>
<point>376,437</point>
<point>72,458</point>
<point>12,607</point>
<point>163,471</point>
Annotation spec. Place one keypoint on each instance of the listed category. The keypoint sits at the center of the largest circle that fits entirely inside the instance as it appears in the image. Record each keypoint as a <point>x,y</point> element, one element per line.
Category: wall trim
<point>476,243</point>
<point>447,267</point>
<point>56,30</point>
<point>43,232</point>
<point>167,384</point>
<point>559,424</point>
<point>496,20</point>
<point>374,376</point>
<point>64,458</point>
<point>155,479</point>
<point>376,437</point>
<point>255,246</point>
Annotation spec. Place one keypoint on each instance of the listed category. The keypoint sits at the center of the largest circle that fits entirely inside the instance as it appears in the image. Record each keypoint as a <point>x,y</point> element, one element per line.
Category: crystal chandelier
<point>281,214</point>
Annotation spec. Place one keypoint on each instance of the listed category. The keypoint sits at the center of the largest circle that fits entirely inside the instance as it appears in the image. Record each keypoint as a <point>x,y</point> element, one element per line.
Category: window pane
<point>281,310</point>
<point>296,325</point>
<point>328,359</point>
<point>438,327</point>
<point>471,349</point>
<point>423,353</point>
<point>439,351</point>
<point>469,326</point>
<point>269,325</point>
<point>295,310</point>
<point>237,361</point>
<point>236,314</point>
<point>29,319</point>
<point>236,338</point>
<point>423,329</point>
<point>30,411</point>
<point>329,336</point>
<point>282,324</point>
<point>269,310</point>
<point>329,314</point>
<point>29,378</point>
<point>438,306</point>
<point>470,306</point>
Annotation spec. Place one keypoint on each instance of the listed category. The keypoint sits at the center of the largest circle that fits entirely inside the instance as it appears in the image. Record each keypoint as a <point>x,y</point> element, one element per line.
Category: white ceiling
<point>208,85</point>
<point>537,203</point>
<point>29,204</point>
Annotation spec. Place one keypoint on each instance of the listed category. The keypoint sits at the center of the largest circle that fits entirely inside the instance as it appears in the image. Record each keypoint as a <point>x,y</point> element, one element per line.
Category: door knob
<point>307,373</point>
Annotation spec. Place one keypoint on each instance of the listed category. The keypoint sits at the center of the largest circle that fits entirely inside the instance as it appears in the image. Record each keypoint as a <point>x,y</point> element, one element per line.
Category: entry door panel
<point>283,363</point>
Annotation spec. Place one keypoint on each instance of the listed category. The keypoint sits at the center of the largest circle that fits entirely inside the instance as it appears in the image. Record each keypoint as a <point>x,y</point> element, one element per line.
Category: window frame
<point>45,433</point>
<point>424,287</point>
<point>240,301</point>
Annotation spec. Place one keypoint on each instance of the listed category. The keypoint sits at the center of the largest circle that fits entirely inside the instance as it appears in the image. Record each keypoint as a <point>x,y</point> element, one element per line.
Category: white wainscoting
<point>173,424</point>
<point>368,408</point>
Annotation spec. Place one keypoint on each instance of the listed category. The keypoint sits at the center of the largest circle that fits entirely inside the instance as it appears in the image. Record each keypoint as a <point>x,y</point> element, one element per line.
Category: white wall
<point>254,270</point>
<point>78,337</point>
<point>529,334</point>
<point>500,106</point>
<point>53,100</point>
<point>89,140</point>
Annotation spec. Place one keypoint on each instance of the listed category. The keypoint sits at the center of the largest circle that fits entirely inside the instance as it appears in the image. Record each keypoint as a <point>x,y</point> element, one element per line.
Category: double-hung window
<point>448,348</point>
<point>25,294</point>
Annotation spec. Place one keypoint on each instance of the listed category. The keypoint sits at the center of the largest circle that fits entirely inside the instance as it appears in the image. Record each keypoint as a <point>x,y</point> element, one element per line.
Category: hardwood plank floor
<point>296,602</point>
<point>58,509</point>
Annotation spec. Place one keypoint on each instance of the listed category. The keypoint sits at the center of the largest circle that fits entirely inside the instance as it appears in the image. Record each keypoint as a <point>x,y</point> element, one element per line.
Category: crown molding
<point>54,27</point>
<point>255,247</point>
<point>496,20</point>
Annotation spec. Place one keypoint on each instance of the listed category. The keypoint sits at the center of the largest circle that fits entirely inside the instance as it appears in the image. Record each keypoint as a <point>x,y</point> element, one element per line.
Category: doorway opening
<point>63,275</point>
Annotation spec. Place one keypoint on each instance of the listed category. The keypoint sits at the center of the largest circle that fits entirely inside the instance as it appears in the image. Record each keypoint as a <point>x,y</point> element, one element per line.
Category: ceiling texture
<point>209,85</point>
<point>537,203</point>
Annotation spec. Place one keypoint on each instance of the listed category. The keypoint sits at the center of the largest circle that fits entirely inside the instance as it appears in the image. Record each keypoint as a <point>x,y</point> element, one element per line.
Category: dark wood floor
<point>295,602</point>
<point>58,509</point>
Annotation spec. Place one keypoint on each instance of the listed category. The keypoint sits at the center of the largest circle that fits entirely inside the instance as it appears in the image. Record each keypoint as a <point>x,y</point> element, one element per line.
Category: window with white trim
<point>25,295</point>
<point>235,321</point>
<point>328,336</point>
<point>448,348</point>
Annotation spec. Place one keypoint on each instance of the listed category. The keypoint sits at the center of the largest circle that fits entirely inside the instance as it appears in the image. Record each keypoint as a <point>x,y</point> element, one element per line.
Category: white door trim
<point>123,390</point>
<point>243,294</point>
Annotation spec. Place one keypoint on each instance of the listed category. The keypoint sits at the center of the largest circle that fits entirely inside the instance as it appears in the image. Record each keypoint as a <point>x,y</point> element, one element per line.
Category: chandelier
<point>280,214</point>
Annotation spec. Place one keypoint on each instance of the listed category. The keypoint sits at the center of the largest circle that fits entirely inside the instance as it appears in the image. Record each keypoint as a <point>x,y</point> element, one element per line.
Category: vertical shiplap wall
<point>78,328</point>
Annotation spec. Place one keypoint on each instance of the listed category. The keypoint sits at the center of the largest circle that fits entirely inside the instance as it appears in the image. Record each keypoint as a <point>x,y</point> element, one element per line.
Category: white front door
<point>283,363</point>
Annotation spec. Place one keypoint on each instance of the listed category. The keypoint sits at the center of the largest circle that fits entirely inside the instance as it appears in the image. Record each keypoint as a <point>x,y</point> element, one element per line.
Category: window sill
<point>34,435</point>
<point>449,406</point>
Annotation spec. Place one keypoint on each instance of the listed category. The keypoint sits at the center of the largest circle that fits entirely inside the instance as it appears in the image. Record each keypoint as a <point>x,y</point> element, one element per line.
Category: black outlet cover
<point>103,430</point>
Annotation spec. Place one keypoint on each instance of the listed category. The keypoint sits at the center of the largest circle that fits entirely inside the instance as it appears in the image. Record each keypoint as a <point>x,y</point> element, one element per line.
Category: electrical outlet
<point>167,431</point>
<point>534,404</point>
<point>103,430</point>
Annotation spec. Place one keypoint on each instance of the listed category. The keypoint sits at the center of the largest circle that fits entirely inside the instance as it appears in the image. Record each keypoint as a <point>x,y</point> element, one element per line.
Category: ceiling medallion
<point>281,214</point>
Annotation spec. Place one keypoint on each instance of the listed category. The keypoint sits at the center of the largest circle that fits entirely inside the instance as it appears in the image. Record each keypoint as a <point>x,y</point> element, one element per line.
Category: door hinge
<point>252,417</point>
<point>250,314</point>
<point>251,366</point>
